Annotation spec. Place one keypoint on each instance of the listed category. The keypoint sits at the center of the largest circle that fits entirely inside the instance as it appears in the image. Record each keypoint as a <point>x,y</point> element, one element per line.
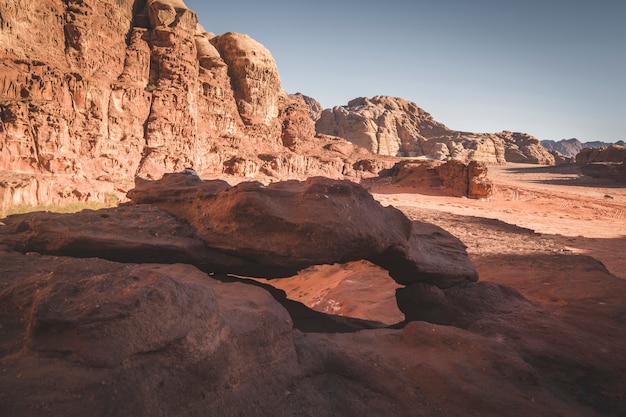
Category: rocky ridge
<point>394,126</point>
<point>609,162</point>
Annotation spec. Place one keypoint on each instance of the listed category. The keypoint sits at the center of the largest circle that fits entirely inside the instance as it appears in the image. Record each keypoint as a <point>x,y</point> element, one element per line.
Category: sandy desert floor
<point>524,235</point>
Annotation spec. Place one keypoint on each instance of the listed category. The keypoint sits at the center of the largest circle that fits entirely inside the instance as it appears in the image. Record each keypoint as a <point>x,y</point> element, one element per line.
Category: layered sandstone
<point>394,126</point>
<point>94,93</point>
<point>607,162</point>
<point>524,148</point>
<point>462,180</point>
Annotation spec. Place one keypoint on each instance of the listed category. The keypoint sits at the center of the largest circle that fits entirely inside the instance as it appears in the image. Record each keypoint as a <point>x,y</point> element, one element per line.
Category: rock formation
<point>461,180</point>
<point>394,126</point>
<point>315,108</point>
<point>94,93</point>
<point>130,311</point>
<point>609,162</point>
<point>279,229</point>
<point>524,148</point>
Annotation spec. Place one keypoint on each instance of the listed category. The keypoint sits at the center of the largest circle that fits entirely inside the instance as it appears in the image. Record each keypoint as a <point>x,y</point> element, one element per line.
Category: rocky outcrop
<point>254,77</point>
<point>394,126</point>
<point>524,148</point>
<point>151,339</point>
<point>613,153</point>
<point>157,329</point>
<point>609,162</point>
<point>315,108</point>
<point>459,179</point>
<point>279,229</point>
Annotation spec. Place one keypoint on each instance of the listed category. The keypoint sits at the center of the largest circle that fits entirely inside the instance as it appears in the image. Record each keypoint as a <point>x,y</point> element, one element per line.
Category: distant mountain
<point>571,147</point>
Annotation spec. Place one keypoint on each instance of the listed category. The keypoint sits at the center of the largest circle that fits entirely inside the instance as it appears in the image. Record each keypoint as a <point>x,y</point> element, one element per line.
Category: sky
<point>555,69</point>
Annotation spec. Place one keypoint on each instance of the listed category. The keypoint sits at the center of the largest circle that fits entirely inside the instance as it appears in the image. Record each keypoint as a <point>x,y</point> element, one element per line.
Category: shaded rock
<point>85,334</point>
<point>125,234</point>
<point>287,226</point>
<point>459,306</point>
<point>297,124</point>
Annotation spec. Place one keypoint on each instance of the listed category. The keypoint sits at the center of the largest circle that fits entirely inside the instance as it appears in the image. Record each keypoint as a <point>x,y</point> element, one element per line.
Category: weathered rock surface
<point>279,229</point>
<point>79,335</point>
<point>609,162</point>
<point>315,108</point>
<point>613,153</point>
<point>457,178</point>
<point>524,148</point>
<point>394,126</point>
<point>93,93</point>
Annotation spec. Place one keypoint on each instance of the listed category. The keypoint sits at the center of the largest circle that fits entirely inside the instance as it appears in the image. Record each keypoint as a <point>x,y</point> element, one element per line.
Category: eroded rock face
<point>147,332</point>
<point>79,334</point>
<point>460,179</point>
<point>524,148</point>
<point>102,91</point>
<point>284,227</point>
<point>153,339</point>
<point>613,153</point>
<point>254,75</point>
<point>394,126</point>
<point>609,162</point>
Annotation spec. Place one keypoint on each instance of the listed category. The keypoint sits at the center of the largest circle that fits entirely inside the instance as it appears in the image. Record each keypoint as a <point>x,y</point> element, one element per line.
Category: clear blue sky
<point>553,68</point>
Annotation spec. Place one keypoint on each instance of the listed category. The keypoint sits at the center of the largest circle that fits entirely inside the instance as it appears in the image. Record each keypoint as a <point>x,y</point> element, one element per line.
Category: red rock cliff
<point>95,92</point>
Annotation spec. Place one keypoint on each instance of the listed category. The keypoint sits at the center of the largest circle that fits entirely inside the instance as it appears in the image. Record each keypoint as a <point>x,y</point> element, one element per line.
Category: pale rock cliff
<point>524,148</point>
<point>254,76</point>
<point>394,126</point>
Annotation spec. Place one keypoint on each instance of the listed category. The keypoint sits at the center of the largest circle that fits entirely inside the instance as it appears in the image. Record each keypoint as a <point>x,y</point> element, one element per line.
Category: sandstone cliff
<point>93,93</point>
<point>394,126</point>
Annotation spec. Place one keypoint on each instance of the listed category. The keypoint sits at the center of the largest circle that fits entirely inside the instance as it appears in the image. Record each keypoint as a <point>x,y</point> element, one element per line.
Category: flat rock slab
<point>287,226</point>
